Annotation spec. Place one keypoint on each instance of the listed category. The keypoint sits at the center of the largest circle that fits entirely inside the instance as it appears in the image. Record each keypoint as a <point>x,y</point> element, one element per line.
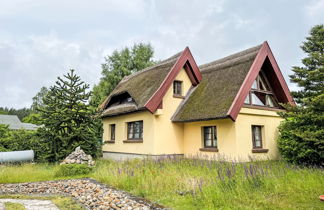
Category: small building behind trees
<point>14,123</point>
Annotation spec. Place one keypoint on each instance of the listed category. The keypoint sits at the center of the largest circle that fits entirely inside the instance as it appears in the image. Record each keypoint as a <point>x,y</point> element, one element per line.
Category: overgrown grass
<point>63,203</point>
<point>200,184</point>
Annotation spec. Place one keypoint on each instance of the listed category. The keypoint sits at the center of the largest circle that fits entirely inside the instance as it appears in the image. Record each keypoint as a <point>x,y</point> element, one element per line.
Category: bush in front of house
<point>72,170</point>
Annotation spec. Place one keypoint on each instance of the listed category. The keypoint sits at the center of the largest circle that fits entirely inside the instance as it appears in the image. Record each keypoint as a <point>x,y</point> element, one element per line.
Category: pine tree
<point>301,137</point>
<point>68,120</point>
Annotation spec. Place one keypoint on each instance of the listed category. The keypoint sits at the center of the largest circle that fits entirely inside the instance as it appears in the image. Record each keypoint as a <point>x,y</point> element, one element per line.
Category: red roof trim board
<point>264,53</point>
<point>185,60</point>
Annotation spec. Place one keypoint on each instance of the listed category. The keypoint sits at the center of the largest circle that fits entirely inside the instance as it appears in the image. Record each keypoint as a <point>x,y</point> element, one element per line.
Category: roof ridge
<point>168,60</point>
<point>231,59</point>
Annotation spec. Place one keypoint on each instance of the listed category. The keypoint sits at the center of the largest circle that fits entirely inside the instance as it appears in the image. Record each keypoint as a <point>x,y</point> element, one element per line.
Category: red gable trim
<point>264,52</point>
<point>185,61</point>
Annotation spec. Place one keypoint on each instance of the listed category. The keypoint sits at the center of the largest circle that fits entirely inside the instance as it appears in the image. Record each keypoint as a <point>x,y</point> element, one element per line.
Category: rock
<point>78,156</point>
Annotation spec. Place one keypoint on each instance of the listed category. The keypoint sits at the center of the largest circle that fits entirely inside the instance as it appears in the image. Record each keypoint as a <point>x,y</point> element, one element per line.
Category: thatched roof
<point>221,81</point>
<point>140,86</point>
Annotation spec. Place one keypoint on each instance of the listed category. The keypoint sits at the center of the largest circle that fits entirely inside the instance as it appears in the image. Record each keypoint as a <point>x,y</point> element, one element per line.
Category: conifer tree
<point>68,119</point>
<point>301,137</point>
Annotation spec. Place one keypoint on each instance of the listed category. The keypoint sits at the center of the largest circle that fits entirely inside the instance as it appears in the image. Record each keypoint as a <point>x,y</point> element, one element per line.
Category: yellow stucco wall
<point>193,139</point>
<point>147,147</point>
<point>269,120</point>
<point>169,136</point>
<point>235,138</point>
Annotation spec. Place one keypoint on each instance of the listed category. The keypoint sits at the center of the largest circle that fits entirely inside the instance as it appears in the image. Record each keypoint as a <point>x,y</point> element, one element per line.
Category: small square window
<point>257,136</point>
<point>210,136</point>
<point>177,88</point>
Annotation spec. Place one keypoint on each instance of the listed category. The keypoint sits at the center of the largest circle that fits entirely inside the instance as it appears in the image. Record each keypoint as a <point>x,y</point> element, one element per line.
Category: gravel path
<point>88,192</point>
<point>31,204</point>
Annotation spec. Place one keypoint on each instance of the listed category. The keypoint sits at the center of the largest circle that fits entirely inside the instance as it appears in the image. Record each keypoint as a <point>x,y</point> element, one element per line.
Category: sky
<point>42,39</point>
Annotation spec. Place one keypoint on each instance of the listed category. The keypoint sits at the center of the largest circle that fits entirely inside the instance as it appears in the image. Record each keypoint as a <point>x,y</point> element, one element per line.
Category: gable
<point>147,87</point>
<point>227,82</point>
<point>185,61</point>
<point>265,60</point>
<point>221,80</point>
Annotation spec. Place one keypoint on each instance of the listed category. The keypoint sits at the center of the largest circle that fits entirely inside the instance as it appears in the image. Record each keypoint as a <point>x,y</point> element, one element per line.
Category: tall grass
<point>200,184</point>
<point>205,184</point>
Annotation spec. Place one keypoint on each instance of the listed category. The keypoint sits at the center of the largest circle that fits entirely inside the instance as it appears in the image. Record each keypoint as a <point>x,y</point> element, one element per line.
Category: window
<point>210,137</point>
<point>261,94</point>
<point>112,132</point>
<point>135,130</point>
<point>177,88</point>
<point>257,136</point>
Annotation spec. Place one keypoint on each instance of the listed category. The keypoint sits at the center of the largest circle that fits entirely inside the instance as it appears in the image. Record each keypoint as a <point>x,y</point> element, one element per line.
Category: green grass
<point>63,203</point>
<point>199,184</point>
<point>14,206</point>
<point>31,173</point>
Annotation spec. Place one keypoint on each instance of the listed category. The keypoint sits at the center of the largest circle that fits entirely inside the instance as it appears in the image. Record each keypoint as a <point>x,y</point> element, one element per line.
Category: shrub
<point>72,170</point>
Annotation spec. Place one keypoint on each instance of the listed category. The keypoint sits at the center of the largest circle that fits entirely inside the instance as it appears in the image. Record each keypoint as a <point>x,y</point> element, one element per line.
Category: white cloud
<point>36,61</point>
<point>315,10</point>
<point>40,40</point>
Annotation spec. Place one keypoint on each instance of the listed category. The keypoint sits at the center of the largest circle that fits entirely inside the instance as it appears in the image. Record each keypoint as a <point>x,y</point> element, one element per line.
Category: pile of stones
<point>78,157</point>
<point>87,192</point>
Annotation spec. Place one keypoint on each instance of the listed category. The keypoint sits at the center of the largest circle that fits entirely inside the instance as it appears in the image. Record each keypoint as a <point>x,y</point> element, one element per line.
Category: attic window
<point>261,93</point>
<point>177,88</point>
<point>123,98</point>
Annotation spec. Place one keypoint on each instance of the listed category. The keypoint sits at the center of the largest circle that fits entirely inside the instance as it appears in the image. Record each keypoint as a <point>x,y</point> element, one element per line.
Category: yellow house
<point>225,109</point>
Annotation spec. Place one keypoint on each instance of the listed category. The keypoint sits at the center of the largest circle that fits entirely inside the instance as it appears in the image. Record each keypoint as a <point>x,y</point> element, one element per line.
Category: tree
<point>120,64</point>
<point>34,116</point>
<point>38,99</point>
<point>68,119</point>
<point>301,138</point>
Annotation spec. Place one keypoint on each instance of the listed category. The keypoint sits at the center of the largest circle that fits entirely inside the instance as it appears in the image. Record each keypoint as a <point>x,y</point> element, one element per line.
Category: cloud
<point>315,10</point>
<point>40,40</point>
<point>28,64</point>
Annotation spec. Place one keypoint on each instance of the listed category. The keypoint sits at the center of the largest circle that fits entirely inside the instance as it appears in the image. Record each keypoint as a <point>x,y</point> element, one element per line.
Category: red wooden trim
<point>193,73</point>
<point>160,105</point>
<point>279,75</point>
<point>264,52</point>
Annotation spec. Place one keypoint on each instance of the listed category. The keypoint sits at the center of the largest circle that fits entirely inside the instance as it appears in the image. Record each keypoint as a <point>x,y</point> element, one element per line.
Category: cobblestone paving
<point>31,204</point>
<point>88,192</point>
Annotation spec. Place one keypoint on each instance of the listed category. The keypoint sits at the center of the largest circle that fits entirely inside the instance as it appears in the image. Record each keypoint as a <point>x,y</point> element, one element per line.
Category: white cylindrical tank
<point>17,156</point>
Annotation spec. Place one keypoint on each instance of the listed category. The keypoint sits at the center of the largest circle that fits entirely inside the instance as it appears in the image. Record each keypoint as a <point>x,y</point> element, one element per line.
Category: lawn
<point>198,184</point>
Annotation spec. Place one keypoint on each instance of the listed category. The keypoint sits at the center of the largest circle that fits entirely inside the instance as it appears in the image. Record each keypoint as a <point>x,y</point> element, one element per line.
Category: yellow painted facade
<point>168,139</point>
<point>161,136</point>
<point>234,139</point>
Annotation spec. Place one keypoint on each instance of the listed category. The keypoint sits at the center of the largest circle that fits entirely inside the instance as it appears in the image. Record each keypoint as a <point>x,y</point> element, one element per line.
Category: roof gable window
<point>261,93</point>
<point>123,98</point>
<point>177,88</point>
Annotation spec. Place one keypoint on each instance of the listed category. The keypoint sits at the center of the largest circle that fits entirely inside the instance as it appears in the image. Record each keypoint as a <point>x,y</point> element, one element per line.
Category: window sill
<point>109,142</point>
<point>208,149</point>
<point>178,96</point>
<point>133,141</point>
<point>259,150</point>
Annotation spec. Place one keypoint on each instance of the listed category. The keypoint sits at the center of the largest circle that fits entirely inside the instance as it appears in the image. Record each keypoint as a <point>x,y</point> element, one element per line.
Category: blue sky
<point>40,40</point>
